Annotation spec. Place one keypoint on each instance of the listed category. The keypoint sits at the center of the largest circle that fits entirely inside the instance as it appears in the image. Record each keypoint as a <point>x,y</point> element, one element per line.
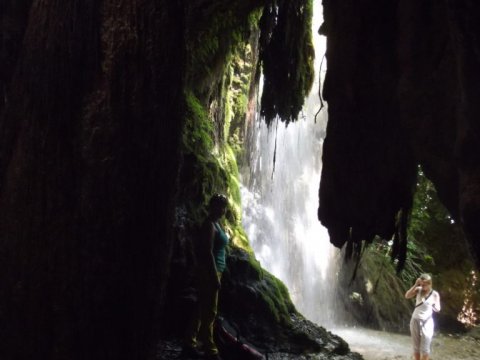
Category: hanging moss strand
<point>286,55</point>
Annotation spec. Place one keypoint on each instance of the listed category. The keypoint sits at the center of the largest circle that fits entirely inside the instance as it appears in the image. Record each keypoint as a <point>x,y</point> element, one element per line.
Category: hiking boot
<point>192,352</point>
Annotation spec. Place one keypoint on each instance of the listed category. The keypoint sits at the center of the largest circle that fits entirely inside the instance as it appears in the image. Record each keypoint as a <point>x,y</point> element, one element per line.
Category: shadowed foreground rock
<point>259,308</point>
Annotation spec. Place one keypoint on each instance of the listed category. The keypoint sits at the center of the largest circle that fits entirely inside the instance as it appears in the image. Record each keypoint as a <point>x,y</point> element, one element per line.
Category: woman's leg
<point>192,328</point>
<point>208,310</point>
<point>415,334</point>
<point>193,325</point>
<point>427,336</point>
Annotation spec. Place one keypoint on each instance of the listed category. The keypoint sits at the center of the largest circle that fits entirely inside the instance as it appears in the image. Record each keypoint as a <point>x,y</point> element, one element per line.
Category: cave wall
<point>94,99</point>
<point>90,121</point>
<point>402,89</point>
<point>92,109</point>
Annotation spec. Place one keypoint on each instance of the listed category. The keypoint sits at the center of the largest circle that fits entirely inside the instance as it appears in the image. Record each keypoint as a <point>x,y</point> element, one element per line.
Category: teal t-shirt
<point>219,248</point>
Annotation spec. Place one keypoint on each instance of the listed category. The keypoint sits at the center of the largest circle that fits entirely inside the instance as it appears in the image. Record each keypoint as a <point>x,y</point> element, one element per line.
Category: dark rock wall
<point>90,119</point>
<point>464,25</point>
<point>402,88</point>
<point>94,96</point>
<point>91,114</point>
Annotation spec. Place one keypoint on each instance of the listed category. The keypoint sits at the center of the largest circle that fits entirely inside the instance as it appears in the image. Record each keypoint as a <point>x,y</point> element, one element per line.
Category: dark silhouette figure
<point>211,259</point>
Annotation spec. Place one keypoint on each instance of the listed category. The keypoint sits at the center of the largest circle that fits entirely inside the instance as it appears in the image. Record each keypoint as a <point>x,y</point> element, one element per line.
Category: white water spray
<point>280,204</point>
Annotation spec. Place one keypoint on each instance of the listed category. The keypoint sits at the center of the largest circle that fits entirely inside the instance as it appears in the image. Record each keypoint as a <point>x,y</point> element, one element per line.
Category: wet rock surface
<point>330,346</point>
<point>168,350</point>
<point>258,309</point>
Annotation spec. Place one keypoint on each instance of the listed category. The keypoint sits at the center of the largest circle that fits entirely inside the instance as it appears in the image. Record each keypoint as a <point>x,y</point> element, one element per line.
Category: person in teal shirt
<point>211,259</point>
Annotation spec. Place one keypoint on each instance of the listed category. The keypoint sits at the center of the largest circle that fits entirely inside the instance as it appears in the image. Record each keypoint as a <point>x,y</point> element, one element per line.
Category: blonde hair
<point>426,277</point>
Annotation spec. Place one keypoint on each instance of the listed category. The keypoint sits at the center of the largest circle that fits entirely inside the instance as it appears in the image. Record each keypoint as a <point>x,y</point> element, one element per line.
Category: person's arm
<point>413,290</point>
<point>436,305</point>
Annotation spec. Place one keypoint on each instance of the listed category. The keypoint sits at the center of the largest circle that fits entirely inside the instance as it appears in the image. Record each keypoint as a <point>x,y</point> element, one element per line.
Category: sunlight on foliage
<point>468,315</point>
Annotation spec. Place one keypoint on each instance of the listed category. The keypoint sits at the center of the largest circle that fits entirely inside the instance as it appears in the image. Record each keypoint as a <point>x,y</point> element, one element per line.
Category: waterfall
<point>280,201</point>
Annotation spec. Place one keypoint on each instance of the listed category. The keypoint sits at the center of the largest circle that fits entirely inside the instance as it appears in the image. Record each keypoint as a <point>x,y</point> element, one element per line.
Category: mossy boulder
<point>260,305</point>
<point>374,297</point>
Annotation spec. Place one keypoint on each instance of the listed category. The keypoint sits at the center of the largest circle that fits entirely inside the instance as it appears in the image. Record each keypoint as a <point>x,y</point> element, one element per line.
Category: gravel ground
<point>378,345</point>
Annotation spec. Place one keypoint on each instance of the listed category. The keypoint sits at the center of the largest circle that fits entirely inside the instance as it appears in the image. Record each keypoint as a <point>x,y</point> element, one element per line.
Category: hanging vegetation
<point>286,54</point>
<point>431,231</point>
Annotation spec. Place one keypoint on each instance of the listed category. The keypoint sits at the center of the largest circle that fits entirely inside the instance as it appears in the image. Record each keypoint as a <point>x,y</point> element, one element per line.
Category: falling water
<point>280,201</point>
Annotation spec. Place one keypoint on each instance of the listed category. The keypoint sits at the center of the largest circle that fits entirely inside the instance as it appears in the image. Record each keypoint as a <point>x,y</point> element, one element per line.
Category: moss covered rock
<point>375,298</point>
<point>259,304</point>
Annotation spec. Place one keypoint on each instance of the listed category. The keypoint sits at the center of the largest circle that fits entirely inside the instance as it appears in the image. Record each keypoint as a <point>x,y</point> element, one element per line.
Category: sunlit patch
<point>369,286</point>
<point>356,297</point>
<point>468,316</point>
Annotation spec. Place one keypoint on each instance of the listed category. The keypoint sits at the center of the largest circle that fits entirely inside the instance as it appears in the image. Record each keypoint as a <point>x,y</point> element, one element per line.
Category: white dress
<point>422,324</point>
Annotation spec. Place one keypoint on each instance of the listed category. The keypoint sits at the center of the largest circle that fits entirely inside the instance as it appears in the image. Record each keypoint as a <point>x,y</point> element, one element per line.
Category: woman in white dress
<point>421,324</point>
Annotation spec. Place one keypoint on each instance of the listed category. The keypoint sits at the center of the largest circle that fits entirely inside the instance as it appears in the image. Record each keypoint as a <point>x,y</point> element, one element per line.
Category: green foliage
<point>417,258</point>
<point>427,212</point>
<point>432,230</point>
<point>437,245</point>
<point>287,55</point>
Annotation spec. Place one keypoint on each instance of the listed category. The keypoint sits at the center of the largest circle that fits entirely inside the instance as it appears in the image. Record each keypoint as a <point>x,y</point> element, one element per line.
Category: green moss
<point>277,299</point>
<point>385,288</point>
<point>205,172</point>
<point>240,76</point>
<point>218,52</point>
<point>254,18</point>
<point>215,39</point>
<point>234,214</point>
<point>287,55</point>
<point>275,295</point>
<point>219,77</point>
<point>229,99</point>
<point>214,168</point>
<point>198,130</point>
